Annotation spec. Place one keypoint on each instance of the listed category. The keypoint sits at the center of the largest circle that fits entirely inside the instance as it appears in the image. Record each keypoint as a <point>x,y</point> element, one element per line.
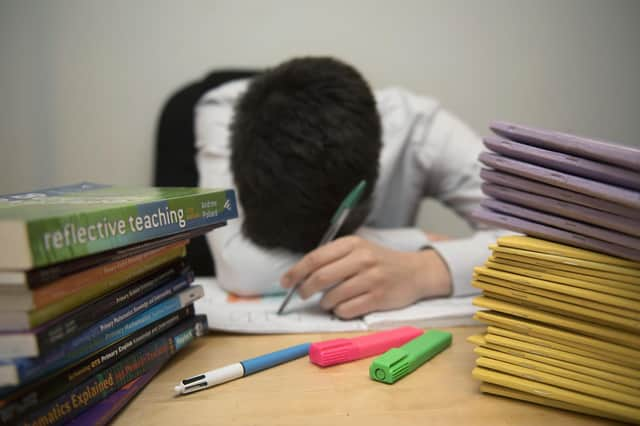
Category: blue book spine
<point>121,315</point>
<point>25,398</point>
<point>28,369</point>
<point>165,284</point>
<point>149,357</point>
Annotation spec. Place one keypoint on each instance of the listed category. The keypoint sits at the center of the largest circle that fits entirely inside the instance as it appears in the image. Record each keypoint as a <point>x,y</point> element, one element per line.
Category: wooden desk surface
<point>441,392</point>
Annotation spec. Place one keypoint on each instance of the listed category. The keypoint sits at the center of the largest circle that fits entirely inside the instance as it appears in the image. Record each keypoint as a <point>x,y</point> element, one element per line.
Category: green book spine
<point>54,225</point>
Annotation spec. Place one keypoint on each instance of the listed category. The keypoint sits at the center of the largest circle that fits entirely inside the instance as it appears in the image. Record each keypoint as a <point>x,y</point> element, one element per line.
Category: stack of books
<point>563,301</point>
<point>95,294</point>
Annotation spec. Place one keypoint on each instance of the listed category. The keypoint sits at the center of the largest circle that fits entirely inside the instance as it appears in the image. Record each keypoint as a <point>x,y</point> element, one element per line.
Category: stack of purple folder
<point>563,188</point>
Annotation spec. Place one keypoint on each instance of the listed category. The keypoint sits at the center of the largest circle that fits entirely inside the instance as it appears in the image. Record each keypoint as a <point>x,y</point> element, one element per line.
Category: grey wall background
<point>82,82</point>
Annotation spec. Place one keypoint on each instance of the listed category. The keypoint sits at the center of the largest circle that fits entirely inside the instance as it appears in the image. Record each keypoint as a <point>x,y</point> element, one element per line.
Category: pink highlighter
<point>337,351</point>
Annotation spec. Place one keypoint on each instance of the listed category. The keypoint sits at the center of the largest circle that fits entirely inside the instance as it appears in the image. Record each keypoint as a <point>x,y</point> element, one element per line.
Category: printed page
<point>445,312</point>
<point>229,312</point>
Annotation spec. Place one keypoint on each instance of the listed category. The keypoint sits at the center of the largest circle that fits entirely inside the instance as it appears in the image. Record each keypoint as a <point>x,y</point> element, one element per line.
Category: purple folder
<point>600,151</point>
<point>563,208</point>
<point>577,166</point>
<point>550,233</point>
<point>104,411</point>
<point>527,185</point>
<point>563,223</point>
<point>612,193</point>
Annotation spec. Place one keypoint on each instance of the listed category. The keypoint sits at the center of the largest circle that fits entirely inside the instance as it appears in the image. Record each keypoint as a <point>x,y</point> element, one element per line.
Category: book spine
<point>147,358</point>
<point>53,310</point>
<point>111,272</point>
<point>70,236</point>
<point>79,319</point>
<point>164,291</point>
<point>29,369</point>
<point>101,413</point>
<point>112,321</point>
<point>41,276</point>
<point>17,400</point>
<point>31,342</point>
<point>15,404</point>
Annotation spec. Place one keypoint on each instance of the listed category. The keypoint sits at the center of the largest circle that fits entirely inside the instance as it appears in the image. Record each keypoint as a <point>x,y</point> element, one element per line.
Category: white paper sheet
<point>258,314</point>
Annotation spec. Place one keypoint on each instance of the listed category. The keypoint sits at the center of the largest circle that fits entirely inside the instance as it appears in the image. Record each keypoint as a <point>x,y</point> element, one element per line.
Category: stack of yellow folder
<point>563,327</point>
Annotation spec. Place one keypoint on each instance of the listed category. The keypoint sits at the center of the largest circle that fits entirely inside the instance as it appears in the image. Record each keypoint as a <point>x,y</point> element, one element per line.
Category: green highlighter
<point>396,363</point>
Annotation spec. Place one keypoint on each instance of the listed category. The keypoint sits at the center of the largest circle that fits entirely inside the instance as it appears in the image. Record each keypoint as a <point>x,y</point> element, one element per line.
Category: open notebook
<point>229,312</point>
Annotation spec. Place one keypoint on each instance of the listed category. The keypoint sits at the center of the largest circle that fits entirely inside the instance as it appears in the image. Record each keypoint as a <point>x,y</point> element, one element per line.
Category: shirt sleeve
<point>449,158</point>
<point>244,268</point>
<point>400,239</point>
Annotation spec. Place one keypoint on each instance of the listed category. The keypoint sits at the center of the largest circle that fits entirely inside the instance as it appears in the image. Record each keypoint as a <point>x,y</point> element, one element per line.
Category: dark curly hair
<point>303,135</point>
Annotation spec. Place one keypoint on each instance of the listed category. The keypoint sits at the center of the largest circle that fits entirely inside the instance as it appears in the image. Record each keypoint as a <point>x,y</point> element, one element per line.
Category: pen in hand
<point>240,369</point>
<point>338,219</point>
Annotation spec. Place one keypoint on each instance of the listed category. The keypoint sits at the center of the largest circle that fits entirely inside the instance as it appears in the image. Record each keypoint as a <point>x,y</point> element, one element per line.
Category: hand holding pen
<point>372,277</point>
<point>338,219</point>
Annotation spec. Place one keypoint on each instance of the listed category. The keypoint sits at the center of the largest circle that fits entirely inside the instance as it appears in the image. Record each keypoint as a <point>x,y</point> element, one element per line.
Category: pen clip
<point>350,200</point>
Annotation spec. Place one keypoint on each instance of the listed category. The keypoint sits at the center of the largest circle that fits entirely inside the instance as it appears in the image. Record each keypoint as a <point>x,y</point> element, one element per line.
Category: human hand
<point>371,277</point>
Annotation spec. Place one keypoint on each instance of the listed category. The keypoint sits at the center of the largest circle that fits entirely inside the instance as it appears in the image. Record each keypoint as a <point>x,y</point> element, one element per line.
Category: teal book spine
<point>26,398</point>
<point>23,370</point>
<point>50,226</point>
<point>148,358</point>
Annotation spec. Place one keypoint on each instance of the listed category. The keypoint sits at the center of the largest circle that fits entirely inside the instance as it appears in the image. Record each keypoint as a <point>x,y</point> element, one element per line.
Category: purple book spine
<point>102,413</point>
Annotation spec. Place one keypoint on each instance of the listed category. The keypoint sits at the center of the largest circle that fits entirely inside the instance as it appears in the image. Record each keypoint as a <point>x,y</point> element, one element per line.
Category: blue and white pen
<point>241,369</point>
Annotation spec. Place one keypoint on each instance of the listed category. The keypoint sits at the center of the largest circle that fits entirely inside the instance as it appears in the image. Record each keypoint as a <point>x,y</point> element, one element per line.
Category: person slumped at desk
<point>293,141</point>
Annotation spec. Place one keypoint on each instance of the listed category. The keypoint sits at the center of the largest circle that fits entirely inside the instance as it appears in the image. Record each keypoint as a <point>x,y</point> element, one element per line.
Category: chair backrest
<point>175,155</point>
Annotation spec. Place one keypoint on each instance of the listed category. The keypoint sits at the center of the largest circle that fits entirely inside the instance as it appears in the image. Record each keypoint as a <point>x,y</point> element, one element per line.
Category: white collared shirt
<point>426,152</point>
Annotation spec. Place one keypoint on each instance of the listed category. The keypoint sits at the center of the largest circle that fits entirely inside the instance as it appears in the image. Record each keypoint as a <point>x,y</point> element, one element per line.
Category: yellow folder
<point>556,306</point>
<point>568,365</point>
<point>561,372</point>
<point>587,351</point>
<point>559,296</point>
<point>544,246</point>
<point>606,333</point>
<point>566,261</point>
<point>625,282</point>
<point>572,281</point>
<point>535,329</point>
<point>492,389</point>
<point>569,357</point>
<point>581,289</point>
<point>621,411</point>
<point>476,339</point>
<point>559,381</point>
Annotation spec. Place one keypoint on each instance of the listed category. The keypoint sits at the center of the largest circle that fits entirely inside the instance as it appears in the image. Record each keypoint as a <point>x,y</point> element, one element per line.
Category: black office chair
<point>175,163</point>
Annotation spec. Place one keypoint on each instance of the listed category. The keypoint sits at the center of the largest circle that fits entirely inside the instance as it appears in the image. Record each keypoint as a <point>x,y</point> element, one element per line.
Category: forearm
<point>371,277</point>
<point>432,276</point>
<point>442,268</point>
<point>408,239</point>
<point>461,255</point>
<point>447,268</point>
<point>244,268</point>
